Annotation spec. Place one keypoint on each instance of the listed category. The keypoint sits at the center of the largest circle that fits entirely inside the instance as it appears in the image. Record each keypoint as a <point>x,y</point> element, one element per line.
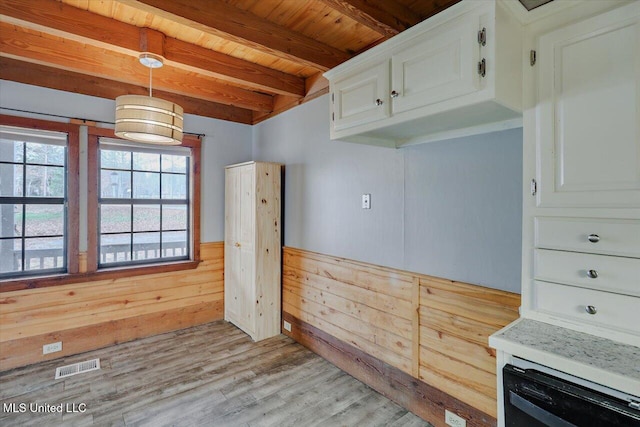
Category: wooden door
<point>361,98</point>
<point>246,249</point>
<point>589,112</point>
<point>232,258</point>
<point>441,66</point>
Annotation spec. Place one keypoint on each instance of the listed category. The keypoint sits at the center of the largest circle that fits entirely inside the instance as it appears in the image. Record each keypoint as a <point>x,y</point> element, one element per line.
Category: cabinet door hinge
<point>333,117</point>
<point>482,68</point>
<point>482,37</point>
<point>333,97</point>
<point>534,187</point>
<point>532,57</point>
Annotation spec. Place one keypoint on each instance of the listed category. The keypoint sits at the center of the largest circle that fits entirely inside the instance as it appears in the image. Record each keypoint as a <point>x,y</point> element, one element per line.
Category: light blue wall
<point>224,142</point>
<point>324,182</point>
<point>451,209</point>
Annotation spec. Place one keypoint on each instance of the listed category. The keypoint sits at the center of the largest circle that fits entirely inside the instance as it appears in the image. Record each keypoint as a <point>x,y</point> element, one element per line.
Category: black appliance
<point>534,399</point>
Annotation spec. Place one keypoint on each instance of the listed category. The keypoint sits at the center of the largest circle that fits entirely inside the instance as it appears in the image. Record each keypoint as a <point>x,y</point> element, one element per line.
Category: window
<point>33,202</point>
<point>75,209</point>
<point>144,204</point>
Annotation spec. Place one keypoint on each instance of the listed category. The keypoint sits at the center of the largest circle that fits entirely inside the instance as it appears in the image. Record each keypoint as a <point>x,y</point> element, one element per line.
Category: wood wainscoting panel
<point>455,356</point>
<point>368,307</point>
<point>90,315</point>
<point>420,340</point>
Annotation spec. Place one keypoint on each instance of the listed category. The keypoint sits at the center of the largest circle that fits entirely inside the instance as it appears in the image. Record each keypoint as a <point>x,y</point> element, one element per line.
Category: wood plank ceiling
<point>236,60</point>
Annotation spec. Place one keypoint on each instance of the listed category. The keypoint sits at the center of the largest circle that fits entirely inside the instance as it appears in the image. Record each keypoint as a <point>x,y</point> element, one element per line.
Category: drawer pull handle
<point>379,101</point>
<point>593,274</point>
<point>591,309</point>
<point>593,238</point>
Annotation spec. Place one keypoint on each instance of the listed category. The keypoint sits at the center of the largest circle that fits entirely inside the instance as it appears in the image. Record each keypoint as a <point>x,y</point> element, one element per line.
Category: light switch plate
<point>366,201</point>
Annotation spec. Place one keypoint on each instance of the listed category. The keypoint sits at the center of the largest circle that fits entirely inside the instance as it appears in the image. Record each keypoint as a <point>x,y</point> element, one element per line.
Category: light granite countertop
<point>597,359</point>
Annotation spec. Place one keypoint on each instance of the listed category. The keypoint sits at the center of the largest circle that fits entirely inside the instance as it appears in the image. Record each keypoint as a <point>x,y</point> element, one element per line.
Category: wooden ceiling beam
<point>65,21</point>
<point>387,17</point>
<point>31,46</point>
<point>231,23</point>
<point>55,78</point>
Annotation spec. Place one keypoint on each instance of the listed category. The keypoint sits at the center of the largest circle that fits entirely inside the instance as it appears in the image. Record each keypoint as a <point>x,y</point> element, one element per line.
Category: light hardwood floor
<point>209,375</point>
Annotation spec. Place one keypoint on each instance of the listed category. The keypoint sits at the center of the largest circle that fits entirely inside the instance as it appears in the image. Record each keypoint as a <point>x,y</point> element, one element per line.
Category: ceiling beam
<point>385,17</point>
<point>32,46</point>
<point>62,20</point>
<point>54,78</point>
<point>234,24</point>
<point>388,17</point>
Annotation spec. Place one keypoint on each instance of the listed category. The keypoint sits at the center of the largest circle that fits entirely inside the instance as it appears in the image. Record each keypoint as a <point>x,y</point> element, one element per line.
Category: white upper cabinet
<point>360,99</point>
<point>588,115</point>
<point>437,67</point>
<point>455,74</point>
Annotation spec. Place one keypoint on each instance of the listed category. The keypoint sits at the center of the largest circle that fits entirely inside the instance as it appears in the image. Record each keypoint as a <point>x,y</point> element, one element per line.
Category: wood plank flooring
<point>209,375</point>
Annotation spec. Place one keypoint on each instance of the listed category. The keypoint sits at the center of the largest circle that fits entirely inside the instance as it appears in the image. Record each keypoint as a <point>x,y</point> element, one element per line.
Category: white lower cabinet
<point>571,304</point>
<point>252,248</point>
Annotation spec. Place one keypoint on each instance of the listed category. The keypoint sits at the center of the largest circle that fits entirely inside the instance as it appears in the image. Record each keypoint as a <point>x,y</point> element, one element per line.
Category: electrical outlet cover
<point>454,420</point>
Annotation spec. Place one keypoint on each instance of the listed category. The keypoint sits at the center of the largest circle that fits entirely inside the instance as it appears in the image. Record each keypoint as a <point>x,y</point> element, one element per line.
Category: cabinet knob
<point>394,94</point>
<point>593,238</point>
<point>591,309</point>
<point>592,274</point>
<point>379,101</point>
<point>237,244</point>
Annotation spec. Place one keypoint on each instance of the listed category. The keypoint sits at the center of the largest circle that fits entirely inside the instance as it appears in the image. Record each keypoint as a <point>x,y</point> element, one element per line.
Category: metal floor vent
<point>77,368</point>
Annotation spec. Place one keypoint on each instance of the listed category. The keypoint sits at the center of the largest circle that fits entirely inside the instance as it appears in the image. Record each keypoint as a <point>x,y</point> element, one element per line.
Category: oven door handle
<point>536,412</point>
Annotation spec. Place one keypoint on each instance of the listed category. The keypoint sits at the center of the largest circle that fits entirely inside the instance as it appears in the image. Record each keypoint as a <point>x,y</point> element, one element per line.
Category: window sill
<point>104,274</point>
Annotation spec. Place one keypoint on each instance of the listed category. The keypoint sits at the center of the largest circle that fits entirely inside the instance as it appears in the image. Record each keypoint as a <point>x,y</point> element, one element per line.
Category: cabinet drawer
<point>610,310</point>
<point>614,274</point>
<point>609,236</point>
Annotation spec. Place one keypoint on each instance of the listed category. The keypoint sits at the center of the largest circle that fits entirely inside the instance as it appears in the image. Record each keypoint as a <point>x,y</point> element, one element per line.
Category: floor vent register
<point>77,368</point>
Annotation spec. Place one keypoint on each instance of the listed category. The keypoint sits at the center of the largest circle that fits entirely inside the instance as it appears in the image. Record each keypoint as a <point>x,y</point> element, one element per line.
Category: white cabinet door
<point>443,65</point>
<point>589,112</point>
<point>361,98</point>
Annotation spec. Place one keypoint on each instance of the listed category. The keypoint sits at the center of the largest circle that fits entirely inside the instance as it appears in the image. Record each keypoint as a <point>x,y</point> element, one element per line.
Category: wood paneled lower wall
<point>90,315</point>
<point>420,340</point>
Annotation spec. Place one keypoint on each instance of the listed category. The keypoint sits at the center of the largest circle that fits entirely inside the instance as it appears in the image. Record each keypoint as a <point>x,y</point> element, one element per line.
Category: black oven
<point>533,398</point>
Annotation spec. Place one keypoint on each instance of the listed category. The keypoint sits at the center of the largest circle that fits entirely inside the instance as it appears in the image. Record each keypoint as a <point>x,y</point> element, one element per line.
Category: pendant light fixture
<point>147,119</point>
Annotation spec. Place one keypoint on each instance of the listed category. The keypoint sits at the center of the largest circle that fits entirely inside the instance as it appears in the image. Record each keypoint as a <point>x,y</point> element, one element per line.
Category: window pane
<point>146,218</point>
<point>115,248</point>
<point>146,246</point>
<point>146,162</point>
<point>11,259</point>
<point>115,159</point>
<point>115,218</point>
<point>174,186</point>
<point>11,220</point>
<point>45,154</point>
<point>11,151</point>
<point>174,217</point>
<point>174,243</point>
<point>45,181</point>
<point>10,180</point>
<point>146,185</point>
<point>115,184</point>
<point>174,163</point>
<point>44,220</point>
<point>44,253</point>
